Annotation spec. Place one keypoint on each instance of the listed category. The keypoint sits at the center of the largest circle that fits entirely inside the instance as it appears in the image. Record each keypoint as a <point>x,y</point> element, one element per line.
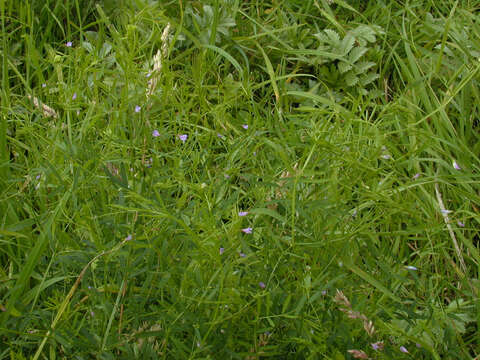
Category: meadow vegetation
<point>227,179</point>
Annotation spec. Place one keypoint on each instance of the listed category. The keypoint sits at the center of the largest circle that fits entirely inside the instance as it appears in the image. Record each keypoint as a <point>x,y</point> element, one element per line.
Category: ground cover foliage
<point>231,179</point>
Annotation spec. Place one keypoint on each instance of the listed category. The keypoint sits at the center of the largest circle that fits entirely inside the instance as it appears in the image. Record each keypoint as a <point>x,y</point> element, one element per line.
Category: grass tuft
<point>239,179</point>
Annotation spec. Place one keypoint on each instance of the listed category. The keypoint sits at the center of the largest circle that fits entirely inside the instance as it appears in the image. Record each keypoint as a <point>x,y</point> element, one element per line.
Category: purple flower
<point>243,213</point>
<point>324,292</point>
<point>247,230</point>
<point>129,237</point>
<point>461,224</point>
<point>416,176</point>
<point>226,176</point>
<point>386,156</point>
<point>456,166</point>
<point>183,137</point>
<point>446,212</point>
<point>245,126</point>
<point>261,284</point>
<point>92,314</point>
<point>155,133</point>
<point>74,96</point>
<point>44,85</point>
<point>409,267</point>
<point>377,345</point>
<point>220,136</point>
<point>418,345</point>
<point>68,44</point>
<point>137,108</point>
<point>38,177</point>
<point>222,250</point>
<point>403,349</point>
<point>242,254</point>
<point>148,75</point>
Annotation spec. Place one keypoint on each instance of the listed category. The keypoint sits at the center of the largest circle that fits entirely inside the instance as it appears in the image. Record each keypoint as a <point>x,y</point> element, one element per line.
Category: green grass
<point>110,236</point>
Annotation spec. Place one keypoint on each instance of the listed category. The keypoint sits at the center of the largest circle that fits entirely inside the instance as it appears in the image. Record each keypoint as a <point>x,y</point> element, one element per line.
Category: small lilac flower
<point>220,136</point>
<point>456,166</point>
<point>74,96</point>
<point>226,176</point>
<point>68,44</point>
<point>137,108</point>
<point>247,230</point>
<point>446,212</point>
<point>92,314</point>
<point>44,85</point>
<point>245,126</point>
<point>148,75</point>
<point>461,224</point>
<point>38,177</point>
<point>386,156</point>
<point>403,349</point>
<point>416,176</point>
<point>261,284</point>
<point>324,292</point>
<point>409,267</point>
<point>222,250</point>
<point>377,345</point>
<point>129,237</point>
<point>243,213</point>
<point>183,137</point>
<point>418,345</point>
<point>242,254</point>
<point>254,153</point>
<point>155,133</point>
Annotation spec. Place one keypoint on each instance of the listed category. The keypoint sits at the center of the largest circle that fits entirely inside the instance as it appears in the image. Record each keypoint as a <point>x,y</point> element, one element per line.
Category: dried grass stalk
<point>158,62</point>
<point>368,326</point>
<point>151,339</point>
<point>358,354</point>
<point>450,230</point>
<point>47,110</point>
<point>342,300</point>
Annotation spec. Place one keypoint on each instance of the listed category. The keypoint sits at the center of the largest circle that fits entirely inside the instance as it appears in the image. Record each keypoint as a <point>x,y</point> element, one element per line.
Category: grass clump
<point>227,179</point>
